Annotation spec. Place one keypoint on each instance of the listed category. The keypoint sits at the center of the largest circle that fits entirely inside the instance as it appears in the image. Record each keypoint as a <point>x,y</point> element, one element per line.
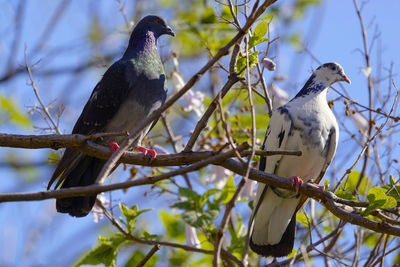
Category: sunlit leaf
<point>379,200</point>
<point>130,215</point>
<point>10,110</point>
<point>175,227</point>
<point>104,253</point>
<point>302,218</point>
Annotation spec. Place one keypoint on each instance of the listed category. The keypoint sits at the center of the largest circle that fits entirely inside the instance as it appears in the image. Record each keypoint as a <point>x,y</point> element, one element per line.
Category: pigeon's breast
<point>311,134</point>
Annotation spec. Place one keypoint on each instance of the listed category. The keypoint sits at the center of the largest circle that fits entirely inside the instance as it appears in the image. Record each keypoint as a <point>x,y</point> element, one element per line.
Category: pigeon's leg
<point>317,185</point>
<point>146,151</point>
<point>114,146</point>
<point>297,182</point>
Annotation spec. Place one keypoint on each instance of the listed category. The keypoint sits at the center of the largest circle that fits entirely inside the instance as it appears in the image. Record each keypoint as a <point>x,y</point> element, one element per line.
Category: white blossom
<point>160,150</point>
<point>97,212</point>
<point>219,176</point>
<point>177,81</point>
<point>191,237</point>
<point>279,96</point>
<point>268,63</point>
<point>366,71</point>
<point>193,101</point>
<point>249,191</point>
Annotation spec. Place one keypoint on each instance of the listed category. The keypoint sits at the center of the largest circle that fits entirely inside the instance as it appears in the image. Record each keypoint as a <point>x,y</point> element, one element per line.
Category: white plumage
<point>306,123</point>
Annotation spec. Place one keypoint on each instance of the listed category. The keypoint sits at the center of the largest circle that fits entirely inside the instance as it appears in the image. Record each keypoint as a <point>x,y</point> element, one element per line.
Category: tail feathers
<point>83,174</point>
<point>273,223</point>
<point>283,248</point>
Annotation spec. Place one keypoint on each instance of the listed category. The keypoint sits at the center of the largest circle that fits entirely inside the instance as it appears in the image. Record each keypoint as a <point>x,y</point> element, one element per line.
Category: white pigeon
<point>305,123</point>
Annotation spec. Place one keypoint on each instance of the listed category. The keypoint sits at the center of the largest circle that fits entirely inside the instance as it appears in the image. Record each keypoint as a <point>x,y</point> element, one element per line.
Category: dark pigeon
<point>129,91</point>
<point>306,123</point>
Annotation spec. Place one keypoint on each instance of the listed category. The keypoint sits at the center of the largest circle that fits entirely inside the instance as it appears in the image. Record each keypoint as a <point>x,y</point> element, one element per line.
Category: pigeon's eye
<point>333,68</point>
<point>157,20</point>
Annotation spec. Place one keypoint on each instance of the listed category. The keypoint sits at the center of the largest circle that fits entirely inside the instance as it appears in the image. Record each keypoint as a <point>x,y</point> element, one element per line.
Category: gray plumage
<point>306,123</point>
<point>129,91</point>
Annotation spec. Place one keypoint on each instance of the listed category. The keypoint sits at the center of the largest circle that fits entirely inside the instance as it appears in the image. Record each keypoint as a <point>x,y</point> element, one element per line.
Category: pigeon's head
<point>155,24</point>
<point>331,72</point>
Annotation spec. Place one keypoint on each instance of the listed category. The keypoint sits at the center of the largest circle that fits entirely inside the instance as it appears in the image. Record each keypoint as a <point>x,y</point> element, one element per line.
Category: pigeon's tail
<point>273,223</point>
<point>84,173</point>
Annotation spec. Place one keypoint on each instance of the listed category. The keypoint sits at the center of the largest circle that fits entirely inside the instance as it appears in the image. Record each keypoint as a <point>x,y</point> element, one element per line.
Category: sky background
<point>32,233</point>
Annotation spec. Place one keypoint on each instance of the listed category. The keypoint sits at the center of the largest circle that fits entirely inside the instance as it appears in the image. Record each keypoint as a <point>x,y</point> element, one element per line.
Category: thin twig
<point>148,255</point>
<point>36,91</point>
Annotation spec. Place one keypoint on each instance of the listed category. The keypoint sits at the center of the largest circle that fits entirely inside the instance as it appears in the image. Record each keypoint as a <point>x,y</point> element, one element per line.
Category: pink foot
<point>114,146</point>
<point>317,185</point>
<point>297,182</point>
<point>146,151</point>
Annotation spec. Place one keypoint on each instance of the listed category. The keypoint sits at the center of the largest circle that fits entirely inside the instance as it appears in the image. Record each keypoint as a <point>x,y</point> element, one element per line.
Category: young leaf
<point>130,215</point>
<point>175,228</point>
<point>105,253</point>
<point>302,218</point>
<point>14,114</point>
<point>379,200</point>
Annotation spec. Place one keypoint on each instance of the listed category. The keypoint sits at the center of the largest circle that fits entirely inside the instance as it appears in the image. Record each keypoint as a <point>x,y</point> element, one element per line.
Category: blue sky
<point>336,35</point>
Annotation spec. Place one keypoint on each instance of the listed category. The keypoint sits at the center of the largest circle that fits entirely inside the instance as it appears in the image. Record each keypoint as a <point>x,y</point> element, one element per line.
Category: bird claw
<point>297,182</point>
<point>146,151</point>
<point>317,185</point>
<point>114,146</point>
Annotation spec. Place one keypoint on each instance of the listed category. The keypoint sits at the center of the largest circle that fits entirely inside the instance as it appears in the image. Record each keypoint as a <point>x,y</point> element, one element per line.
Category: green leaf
<point>346,194</point>
<point>130,215</point>
<point>394,191</point>
<point>175,228</point>
<point>188,193</point>
<point>184,205</point>
<point>208,16</point>
<point>227,191</point>
<point>261,29</point>
<point>352,181</point>
<point>179,258</point>
<point>295,41</point>
<point>292,254</point>
<point>258,35</point>
<point>379,200</point>
<point>13,113</point>
<point>96,33</point>
<point>371,239</point>
<point>147,236</point>
<point>326,184</point>
<point>238,237</point>
<point>200,219</point>
<point>241,61</point>
<point>302,218</point>
<point>105,253</point>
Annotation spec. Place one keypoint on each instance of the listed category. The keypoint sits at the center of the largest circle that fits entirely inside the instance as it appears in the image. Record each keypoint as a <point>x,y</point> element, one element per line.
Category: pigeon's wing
<point>276,137</point>
<point>106,99</point>
<point>102,106</point>
<point>329,152</point>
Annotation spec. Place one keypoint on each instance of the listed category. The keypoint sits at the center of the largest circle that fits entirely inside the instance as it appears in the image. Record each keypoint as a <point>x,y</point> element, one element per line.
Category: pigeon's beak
<point>345,79</point>
<point>170,31</point>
